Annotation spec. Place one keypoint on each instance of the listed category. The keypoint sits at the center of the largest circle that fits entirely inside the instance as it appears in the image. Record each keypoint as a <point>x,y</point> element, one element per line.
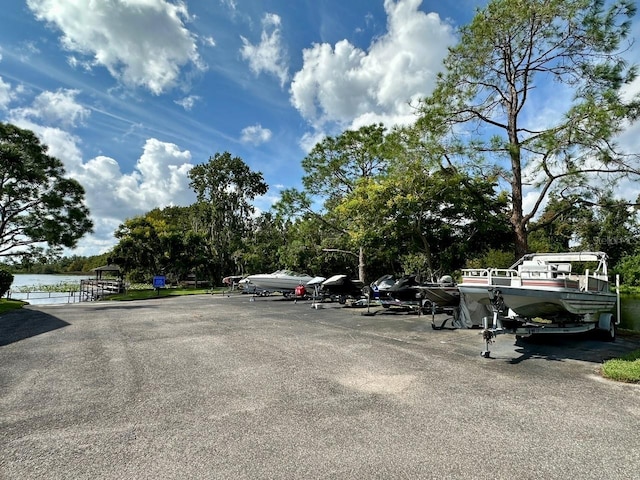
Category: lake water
<point>29,280</point>
<point>630,312</point>
<point>38,282</point>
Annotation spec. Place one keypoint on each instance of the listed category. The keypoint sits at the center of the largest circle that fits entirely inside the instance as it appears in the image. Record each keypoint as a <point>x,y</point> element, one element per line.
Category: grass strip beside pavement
<point>623,369</point>
<point>7,305</point>
<point>162,292</point>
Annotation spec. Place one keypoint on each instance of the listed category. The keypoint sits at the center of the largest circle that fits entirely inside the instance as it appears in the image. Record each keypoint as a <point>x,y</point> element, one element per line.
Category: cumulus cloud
<point>348,86</point>
<point>269,56</point>
<point>143,43</point>
<point>57,108</point>
<point>159,178</point>
<point>256,134</point>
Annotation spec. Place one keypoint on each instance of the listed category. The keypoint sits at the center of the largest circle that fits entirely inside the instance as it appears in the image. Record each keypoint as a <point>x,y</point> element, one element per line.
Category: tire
<point>610,335</point>
<point>607,332</point>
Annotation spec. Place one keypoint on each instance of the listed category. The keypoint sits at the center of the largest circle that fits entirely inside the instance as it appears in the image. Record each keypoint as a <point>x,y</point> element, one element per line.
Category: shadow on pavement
<point>22,324</point>
<point>580,346</point>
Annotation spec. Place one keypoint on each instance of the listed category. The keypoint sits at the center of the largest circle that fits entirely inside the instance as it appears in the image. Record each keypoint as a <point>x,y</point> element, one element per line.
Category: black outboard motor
<point>405,289</point>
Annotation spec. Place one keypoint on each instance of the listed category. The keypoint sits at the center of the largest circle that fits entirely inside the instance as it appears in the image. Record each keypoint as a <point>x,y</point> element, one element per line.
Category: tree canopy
<point>490,101</point>
<point>225,187</point>
<point>39,206</point>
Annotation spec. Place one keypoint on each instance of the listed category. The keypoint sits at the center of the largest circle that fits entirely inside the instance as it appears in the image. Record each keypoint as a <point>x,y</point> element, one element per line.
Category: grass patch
<point>163,292</point>
<point>6,305</point>
<point>624,369</point>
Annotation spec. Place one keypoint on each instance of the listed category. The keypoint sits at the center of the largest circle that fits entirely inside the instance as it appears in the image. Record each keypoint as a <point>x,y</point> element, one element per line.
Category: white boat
<point>544,285</point>
<point>279,281</point>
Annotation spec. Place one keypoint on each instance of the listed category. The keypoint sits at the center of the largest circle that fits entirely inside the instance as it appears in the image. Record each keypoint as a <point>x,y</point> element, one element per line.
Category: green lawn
<point>163,292</point>
<point>8,305</point>
<point>624,369</point>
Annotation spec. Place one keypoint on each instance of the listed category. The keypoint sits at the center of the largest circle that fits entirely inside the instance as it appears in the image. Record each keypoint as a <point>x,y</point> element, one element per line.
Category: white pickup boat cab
<point>544,293</point>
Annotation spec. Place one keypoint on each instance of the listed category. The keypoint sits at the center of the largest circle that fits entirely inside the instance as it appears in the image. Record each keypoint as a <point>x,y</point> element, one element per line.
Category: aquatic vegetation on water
<point>61,287</point>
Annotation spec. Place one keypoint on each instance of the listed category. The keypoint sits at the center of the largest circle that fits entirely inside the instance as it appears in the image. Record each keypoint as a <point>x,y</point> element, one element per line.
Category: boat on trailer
<point>544,293</point>
<point>444,293</point>
<point>284,281</point>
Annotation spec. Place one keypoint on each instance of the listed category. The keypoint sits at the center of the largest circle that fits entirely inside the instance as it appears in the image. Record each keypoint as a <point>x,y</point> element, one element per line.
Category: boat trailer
<point>499,323</point>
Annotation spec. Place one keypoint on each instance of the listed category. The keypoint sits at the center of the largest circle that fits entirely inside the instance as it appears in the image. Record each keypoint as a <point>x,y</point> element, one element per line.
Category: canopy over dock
<point>100,287</point>
<point>110,270</point>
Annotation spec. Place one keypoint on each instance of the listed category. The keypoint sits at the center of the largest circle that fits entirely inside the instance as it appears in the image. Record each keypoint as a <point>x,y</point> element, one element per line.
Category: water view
<point>39,289</point>
<point>630,312</point>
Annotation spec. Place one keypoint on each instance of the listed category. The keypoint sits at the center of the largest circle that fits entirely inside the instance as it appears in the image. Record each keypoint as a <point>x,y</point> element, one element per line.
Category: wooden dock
<point>96,289</point>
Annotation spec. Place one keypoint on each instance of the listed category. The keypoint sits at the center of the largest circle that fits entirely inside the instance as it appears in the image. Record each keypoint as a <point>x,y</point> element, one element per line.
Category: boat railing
<point>596,282</point>
<point>490,276</point>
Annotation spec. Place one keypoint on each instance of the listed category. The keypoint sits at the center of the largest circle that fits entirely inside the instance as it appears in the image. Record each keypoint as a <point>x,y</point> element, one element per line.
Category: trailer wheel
<point>607,328</point>
<point>610,335</point>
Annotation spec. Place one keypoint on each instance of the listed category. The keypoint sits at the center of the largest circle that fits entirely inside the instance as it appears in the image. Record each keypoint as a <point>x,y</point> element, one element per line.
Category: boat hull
<point>531,302</point>
<point>539,302</point>
<point>278,283</point>
<point>441,295</point>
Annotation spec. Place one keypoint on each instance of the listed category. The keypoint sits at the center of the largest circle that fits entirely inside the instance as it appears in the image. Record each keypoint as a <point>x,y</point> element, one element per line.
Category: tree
<point>610,227</point>
<point>437,213</point>
<point>158,242</point>
<point>6,279</point>
<point>225,187</point>
<point>138,251</point>
<point>38,204</point>
<point>333,169</point>
<point>557,227</point>
<point>487,102</point>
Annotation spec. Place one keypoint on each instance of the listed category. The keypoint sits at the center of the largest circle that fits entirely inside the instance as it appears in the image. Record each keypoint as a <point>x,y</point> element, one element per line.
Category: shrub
<point>629,270</point>
<point>6,279</point>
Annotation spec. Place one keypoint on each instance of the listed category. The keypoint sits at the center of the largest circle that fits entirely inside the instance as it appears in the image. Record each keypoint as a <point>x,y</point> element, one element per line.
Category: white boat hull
<point>536,302</point>
<point>277,282</point>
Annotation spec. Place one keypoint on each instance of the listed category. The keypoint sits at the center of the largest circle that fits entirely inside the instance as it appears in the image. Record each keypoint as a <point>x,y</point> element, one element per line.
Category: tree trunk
<point>361,265</point>
<point>522,245</point>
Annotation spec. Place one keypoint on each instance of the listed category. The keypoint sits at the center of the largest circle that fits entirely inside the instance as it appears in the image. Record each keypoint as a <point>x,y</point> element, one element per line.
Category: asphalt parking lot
<point>225,387</point>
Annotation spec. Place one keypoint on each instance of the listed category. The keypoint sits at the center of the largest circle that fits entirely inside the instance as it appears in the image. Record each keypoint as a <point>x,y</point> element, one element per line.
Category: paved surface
<point>225,387</point>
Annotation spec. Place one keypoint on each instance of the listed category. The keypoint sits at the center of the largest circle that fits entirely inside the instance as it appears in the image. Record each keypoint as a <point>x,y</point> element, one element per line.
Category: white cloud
<point>5,94</point>
<point>209,41</point>
<point>255,134</point>
<point>269,55</point>
<point>59,108</point>
<point>230,4</point>
<point>311,139</point>
<point>141,42</point>
<point>188,102</point>
<point>159,178</point>
<point>348,86</point>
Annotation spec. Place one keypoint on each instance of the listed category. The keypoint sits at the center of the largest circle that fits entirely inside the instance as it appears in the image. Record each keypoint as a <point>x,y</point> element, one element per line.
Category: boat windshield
<point>290,273</point>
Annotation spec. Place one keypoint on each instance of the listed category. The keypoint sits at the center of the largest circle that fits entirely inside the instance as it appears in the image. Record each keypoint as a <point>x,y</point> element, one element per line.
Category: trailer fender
<point>607,327</point>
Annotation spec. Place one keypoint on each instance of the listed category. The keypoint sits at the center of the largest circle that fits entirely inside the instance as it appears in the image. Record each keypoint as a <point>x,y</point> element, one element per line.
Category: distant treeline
<point>63,265</point>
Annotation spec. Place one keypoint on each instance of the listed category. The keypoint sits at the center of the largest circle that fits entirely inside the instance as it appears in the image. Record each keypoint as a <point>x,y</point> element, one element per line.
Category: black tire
<point>609,335</point>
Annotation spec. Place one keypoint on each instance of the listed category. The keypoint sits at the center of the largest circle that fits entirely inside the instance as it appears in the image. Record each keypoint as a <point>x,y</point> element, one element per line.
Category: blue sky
<point>130,94</point>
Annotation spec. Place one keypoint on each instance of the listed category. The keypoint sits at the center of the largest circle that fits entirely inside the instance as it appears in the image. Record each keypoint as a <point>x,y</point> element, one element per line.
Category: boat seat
<point>533,269</point>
